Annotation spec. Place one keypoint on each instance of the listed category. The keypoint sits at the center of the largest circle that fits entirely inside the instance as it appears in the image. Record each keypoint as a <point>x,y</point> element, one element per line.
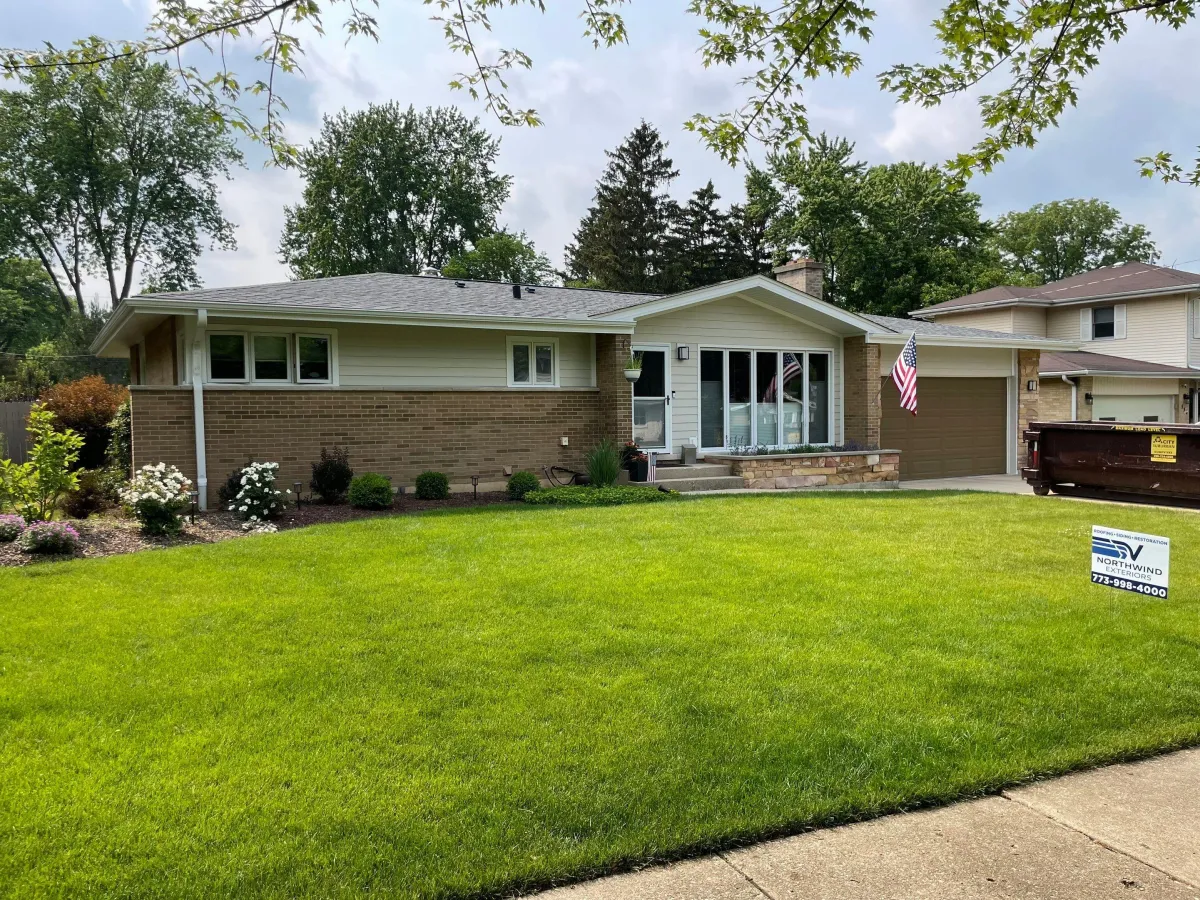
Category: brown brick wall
<point>862,392</point>
<point>1054,405</point>
<point>396,433</point>
<point>616,394</point>
<point>1027,401</point>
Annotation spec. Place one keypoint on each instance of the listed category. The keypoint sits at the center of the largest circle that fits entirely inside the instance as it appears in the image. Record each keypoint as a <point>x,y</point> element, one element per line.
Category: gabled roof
<point>931,329</point>
<point>1134,278</point>
<point>1080,362</point>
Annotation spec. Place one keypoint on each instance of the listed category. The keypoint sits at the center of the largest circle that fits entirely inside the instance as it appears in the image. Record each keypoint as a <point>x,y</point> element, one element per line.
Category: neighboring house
<point>1138,333</point>
<point>480,378</point>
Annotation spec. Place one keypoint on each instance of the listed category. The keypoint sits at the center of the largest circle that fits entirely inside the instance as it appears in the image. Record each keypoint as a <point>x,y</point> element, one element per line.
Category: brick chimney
<point>805,275</point>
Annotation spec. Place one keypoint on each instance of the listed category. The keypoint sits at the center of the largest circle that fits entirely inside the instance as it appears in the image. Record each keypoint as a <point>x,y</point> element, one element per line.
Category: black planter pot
<point>639,469</point>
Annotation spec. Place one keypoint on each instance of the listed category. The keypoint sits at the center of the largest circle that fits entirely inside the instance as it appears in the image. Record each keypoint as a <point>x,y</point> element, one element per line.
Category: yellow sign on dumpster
<point>1162,448</point>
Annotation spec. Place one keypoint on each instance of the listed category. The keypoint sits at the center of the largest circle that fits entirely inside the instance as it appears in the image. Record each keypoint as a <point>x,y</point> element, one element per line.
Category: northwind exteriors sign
<point>1131,561</point>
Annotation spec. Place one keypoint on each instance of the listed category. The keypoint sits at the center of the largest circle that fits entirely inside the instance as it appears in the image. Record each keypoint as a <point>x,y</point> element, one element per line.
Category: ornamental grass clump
<point>156,496</point>
<point>10,528</point>
<point>49,538</point>
<point>259,500</point>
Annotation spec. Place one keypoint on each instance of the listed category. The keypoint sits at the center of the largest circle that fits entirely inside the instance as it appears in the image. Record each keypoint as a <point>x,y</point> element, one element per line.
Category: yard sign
<point>1131,561</point>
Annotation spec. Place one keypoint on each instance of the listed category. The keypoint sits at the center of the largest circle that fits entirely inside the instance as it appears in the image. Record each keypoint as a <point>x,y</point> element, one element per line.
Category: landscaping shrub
<point>10,528</point>
<point>49,537</point>
<point>331,475</point>
<point>120,445</point>
<point>34,488</point>
<point>604,464</point>
<point>372,491</point>
<point>228,492</point>
<point>521,484</point>
<point>432,486</point>
<point>258,500</point>
<point>586,495</point>
<point>87,407</point>
<point>89,496</point>
<point>156,496</point>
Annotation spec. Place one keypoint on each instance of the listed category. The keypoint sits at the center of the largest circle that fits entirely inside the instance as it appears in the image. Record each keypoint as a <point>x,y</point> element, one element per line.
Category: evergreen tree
<point>747,227</point>
<point>697,245</point>
<point>621,243</point>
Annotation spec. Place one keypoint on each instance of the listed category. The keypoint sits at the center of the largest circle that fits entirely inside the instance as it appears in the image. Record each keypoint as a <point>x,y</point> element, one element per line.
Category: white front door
<point>652,398</point>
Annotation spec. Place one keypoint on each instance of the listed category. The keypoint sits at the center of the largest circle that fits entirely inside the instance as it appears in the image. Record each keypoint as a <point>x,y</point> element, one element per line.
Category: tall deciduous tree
<point>621,244</point>
<point>888,235</point>
<point>107,170</point>
<point>502,257</point>
<point>389,189</point>
<point>1055,240</point>
<point>30,310</point>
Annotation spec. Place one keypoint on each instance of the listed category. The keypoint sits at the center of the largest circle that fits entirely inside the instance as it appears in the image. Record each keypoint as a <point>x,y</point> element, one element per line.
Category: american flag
<point>904,373</point>
<point>791,367</point>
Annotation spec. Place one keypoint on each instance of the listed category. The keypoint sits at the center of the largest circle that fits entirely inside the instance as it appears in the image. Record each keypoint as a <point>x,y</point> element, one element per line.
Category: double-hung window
<point>532,363</point>
<point>1104,322</point>
<point>270,358</point>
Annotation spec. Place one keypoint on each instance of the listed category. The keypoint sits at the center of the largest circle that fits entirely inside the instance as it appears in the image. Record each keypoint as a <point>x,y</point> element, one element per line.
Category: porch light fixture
<point>1031,385</point>
<point>683,352</point>
<point>474,488</point>
<point>1087,398</point>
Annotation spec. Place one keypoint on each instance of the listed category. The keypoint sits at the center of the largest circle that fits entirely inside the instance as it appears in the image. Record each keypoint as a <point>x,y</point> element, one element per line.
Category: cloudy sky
<point>1141,100</point>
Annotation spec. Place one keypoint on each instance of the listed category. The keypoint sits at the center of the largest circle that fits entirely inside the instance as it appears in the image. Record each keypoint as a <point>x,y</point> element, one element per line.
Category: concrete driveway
<point>996,484</point>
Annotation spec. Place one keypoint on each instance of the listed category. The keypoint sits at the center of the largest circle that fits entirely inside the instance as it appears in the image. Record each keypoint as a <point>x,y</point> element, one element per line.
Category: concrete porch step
<point>715,483</point>
<point>700,470</point>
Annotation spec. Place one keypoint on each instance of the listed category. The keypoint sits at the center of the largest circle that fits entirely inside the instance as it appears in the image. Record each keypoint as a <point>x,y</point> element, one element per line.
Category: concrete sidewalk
<point>1128,831</point>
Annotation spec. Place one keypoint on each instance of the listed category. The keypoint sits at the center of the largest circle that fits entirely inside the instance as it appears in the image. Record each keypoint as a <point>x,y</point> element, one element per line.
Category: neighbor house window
<point>271,357</point>
<point>313,358</point>
<point>227,357</point>
<point>1104,322</point>
<point>532,363</point>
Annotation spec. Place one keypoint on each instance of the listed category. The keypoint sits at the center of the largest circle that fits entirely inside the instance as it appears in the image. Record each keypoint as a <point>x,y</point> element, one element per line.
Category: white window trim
<point>532,341</point>
<point>333,358</point>
<point>1092,319</point>
<point>208,375</point>
<point>293,380</point>
<point>806,351</point>
<point>287,379</point>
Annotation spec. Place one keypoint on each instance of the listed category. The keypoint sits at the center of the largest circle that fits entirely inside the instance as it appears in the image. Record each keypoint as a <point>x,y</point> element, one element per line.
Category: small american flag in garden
<point>904,373</point>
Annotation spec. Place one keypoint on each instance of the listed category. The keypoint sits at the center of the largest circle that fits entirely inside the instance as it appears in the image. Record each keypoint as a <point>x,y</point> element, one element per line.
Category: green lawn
<point>464,703</point>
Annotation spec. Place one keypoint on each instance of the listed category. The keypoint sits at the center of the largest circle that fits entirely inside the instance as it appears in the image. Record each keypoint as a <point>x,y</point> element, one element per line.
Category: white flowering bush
<point>259,500</point>
<point>156,495</point>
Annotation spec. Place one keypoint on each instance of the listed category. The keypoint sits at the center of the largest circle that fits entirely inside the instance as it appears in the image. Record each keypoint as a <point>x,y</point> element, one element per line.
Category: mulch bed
<point>110,533</point>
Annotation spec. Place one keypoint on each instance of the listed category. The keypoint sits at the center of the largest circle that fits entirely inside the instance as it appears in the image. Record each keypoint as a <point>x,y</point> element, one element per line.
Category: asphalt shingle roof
<point>1075,361</point>
<point>418,294</point>
<point>1125,278</point>
<point>907,326</point>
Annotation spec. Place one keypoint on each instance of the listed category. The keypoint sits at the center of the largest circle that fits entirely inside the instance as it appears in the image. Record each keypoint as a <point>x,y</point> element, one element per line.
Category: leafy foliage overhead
<point>502,257</point>
<point>1025,61</point>
<point>389,189</point>
<point>104,170</point>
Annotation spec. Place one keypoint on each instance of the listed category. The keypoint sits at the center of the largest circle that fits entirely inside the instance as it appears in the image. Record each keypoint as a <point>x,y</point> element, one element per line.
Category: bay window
<point>772,398</point>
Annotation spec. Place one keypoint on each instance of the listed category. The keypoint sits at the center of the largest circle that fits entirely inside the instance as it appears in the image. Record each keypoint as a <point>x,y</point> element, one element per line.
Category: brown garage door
<point>960,429</point>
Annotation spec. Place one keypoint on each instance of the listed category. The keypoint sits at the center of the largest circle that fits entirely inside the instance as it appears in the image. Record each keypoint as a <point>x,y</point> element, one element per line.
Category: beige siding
<point>1029,320</point>
<point>1155,330</point>
<point>1194,333</point>
<point>420,357</point>
<point>1132,387</point>
<point>955,362</point>
<point>988,319</point>
<point>728,324</point>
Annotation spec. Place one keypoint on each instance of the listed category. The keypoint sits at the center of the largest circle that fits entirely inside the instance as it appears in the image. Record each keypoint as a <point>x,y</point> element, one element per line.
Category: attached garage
<point>1134,408</point>
<point>961,428</point>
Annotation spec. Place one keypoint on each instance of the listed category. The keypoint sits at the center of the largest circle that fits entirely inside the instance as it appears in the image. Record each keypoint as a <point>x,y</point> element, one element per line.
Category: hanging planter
<point>633,367</point>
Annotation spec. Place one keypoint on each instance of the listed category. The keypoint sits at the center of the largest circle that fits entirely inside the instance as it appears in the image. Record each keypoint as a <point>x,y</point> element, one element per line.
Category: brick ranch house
<point>480,378</point>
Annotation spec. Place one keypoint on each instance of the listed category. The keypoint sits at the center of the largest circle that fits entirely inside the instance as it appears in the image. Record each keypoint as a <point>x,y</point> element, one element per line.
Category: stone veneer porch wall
<point>395,433</point>
<point>815,470</point>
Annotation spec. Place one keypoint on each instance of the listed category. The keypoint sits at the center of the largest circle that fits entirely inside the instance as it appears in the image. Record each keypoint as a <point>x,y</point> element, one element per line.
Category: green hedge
<point>370,491</point>
<point>596,496</point>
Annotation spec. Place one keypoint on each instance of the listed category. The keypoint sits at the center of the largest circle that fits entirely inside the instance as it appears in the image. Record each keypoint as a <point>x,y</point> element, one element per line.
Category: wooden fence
<point>12,429</point>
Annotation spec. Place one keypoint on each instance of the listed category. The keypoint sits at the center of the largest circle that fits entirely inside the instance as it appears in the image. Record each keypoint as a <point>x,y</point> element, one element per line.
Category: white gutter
<point>198,406</point>
<point>943,340</point>
<point>1081,373</point>
<point>1074,398</point>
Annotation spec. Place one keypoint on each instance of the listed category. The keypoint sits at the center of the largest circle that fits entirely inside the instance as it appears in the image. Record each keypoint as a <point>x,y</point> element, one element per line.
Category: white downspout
<point>1074,397</point>
<point>198,406</point>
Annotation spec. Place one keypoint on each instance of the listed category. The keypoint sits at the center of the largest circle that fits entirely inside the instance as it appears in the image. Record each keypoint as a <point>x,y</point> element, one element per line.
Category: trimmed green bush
<point>521,484</point>
<point>331,475</point>
<point>604,464</point>
<point>432,486</point>
<point>586,495</point>
<point>89,496</point>
<point>370,491</point>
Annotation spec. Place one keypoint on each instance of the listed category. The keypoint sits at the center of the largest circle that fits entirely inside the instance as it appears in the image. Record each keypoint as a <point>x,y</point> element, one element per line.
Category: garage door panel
<point>1134,408</point>
<point>961,429</point>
